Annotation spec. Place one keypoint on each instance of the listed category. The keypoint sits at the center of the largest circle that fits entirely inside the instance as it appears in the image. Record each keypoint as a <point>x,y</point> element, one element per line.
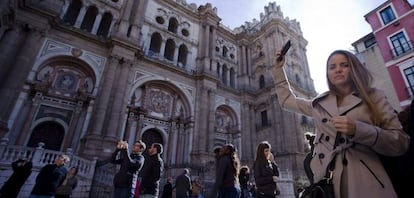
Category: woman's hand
<point>279,63</point>
<point>344,124</point>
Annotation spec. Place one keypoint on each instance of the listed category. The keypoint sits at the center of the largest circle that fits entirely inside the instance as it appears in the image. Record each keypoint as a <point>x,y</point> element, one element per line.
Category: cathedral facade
<point>84,74</point>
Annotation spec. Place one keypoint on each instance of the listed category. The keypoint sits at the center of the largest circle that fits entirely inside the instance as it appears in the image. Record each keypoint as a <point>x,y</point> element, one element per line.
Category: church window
<point>169,50</point>
<point>182,55</point>
<point>73,12</point>
<point>89,19</point>
<point>155,44</point>
<point>261,82</point>
<point>106,21</point>
<point>173,25</point>
<point>232,78</point>
<point>224,74</point>
<point>265,121</point>
<point>225,51</point>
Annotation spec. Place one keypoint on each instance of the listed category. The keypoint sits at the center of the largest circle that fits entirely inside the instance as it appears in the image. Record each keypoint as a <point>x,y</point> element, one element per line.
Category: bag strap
<point>331,165</point>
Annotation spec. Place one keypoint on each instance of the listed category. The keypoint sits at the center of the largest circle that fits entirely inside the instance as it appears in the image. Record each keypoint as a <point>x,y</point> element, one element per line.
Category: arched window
<point>155,44</point>
<point>105,24</point>
<point>225,50</point>
<point>50,133</point>
<point>169,50</point>
<point>232,78</point>
<point>173,25</point>
<point>224,75</point>
<point>72,12</point>
<point>261,82</point>
<point>182,55</point>
<point>89,18</point>
<point>218,69</point>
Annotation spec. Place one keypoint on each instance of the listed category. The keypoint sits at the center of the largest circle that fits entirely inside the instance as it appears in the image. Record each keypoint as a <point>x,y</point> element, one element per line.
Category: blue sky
<point>327,25</point>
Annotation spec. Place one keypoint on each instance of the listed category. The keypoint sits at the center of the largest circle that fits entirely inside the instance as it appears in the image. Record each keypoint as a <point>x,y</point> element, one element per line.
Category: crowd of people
<point>355,123</point>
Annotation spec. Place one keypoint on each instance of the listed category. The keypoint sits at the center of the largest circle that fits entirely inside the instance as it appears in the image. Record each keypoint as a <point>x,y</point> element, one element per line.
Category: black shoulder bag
<point>324,187</point>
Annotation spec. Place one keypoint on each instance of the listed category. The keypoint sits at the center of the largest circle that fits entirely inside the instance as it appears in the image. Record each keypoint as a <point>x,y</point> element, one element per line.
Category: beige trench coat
<point>358,171</point>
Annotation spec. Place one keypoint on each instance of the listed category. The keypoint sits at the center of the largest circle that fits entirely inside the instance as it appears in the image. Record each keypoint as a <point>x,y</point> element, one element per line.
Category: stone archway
<point>151,136</point>
<point>50,133</point>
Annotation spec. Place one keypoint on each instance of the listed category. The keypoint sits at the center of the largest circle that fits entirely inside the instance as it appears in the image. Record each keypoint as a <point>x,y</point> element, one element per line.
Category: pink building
<point>392,24</point>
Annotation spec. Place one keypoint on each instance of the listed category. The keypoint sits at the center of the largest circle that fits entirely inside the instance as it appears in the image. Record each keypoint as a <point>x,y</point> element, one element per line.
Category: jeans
<point>245,193</point>
<point>230,192</point>
<point>147,196</point>
<point>123,193</point>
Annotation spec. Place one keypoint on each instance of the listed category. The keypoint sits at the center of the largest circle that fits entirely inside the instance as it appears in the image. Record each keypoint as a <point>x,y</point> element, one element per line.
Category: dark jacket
<point>130,166</point>
<point>264,171</point>
<point>183,186</point>
<point>167,191</point>
<point>244,180</point>
<point>20,174</point>
<point>225,175</point>
<point>151,174</point>
<point>49,178</point>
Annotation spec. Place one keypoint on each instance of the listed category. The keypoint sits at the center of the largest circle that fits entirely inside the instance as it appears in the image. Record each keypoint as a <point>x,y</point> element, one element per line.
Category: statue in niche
<point>85,89</point>
<point>88,85</point>
<point>219,121</point>
<point>45,76</point>
<point>223,120</point>
<point>179,109</point>
<point>45,73</point>
<point>137,97</point>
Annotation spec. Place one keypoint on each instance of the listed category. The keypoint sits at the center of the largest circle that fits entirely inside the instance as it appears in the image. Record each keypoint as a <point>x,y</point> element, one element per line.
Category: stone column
<point>64,9</point>
<point>111,28</point>
<point>175,58</point>
<point>213,42</point>
<point>80,17</point>
<point>138,131</point>
<point>228,77</point>
<point>119,102</point>
<point>130,129</point>
<point>189,131</point>
<point>15,118</point>
<point>212,63</point>
<point>10,44</point>
<point>104,96</point>
<point>248,61</point>
<point>180,149</point>
<point>24,133</point>
<point>97,23</point>
<point>124,21</point>
<point>242,59</point>
<point>174,134</point>
<point>70,134</point>
<point>209,134</point>
<point>13,83</point>
<point>87,118</point>
<point>206,41</point>
<point>162,49</point>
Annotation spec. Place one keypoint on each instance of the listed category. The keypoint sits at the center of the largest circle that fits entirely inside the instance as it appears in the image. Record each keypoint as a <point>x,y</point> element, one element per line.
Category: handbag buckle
<point>329,179</point>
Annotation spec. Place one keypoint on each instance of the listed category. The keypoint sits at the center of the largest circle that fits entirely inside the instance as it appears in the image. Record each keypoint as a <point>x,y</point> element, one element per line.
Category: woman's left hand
<point>344,124</point>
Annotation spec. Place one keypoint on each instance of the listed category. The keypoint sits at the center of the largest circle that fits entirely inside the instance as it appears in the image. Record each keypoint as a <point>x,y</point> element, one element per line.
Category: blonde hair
<point>361,81</point>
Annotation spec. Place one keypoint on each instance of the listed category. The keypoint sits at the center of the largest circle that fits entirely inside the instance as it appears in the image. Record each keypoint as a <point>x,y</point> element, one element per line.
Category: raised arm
<point>286,97</point>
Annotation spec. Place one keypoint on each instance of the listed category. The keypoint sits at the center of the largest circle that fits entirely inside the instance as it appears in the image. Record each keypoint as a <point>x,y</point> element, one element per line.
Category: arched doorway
<point>50,133</point>
<point>151,136</point>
